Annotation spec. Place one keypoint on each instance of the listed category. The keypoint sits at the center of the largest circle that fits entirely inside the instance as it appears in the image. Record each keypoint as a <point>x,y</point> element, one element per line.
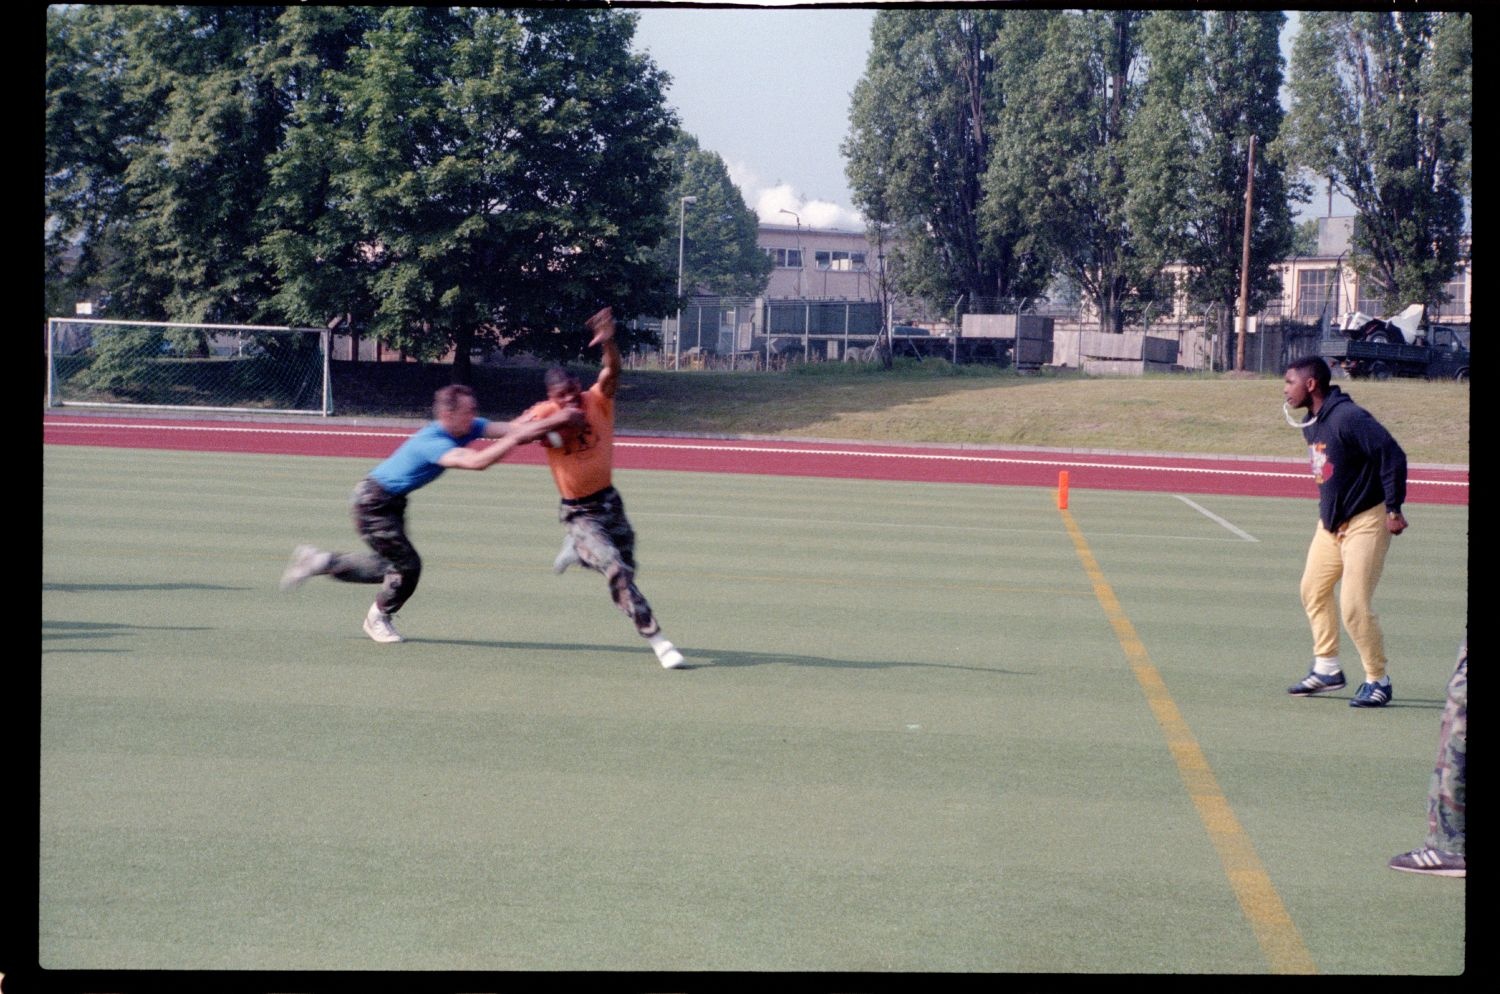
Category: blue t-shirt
<point>415,463</point>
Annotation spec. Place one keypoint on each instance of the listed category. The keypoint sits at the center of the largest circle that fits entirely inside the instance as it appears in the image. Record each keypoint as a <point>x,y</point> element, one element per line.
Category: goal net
<point>96,362</point>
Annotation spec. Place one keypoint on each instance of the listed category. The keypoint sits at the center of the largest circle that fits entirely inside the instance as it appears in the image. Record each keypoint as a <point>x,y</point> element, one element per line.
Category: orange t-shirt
<point>585,463</point>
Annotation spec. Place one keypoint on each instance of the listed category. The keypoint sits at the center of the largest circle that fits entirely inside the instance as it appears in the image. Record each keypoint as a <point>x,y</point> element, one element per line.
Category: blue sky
<point>768,89</point>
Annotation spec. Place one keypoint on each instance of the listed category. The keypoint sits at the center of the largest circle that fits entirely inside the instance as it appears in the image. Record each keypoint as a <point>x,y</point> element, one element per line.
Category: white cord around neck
<point>1286,412</point>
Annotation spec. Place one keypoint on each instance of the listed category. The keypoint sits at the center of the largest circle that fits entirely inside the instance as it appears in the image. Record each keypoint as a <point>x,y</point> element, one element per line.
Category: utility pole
<point>1239,360</point>
<point>798,218</point>
<point>682,203</point>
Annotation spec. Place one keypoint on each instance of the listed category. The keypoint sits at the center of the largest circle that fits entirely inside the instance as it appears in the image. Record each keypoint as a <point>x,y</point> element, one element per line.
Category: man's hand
<point>602,325</point>
<point>564,419</point>
<point>1395,523</point>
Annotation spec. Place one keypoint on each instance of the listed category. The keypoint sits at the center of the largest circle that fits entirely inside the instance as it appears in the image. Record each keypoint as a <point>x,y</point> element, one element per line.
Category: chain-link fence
<point>207,367</point>
<point>755,333</point>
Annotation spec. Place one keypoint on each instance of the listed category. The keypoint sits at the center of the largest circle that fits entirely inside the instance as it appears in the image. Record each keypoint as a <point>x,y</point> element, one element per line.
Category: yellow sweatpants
<point>1355,556</point>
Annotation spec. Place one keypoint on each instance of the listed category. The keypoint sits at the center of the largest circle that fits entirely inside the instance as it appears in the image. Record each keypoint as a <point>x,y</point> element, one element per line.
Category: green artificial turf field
<point>935,728</point>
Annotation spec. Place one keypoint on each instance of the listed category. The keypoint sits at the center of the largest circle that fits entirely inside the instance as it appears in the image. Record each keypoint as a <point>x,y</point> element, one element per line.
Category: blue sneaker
<point>1371,695</point>
<point>1433,862</point>
<point>1316,683</point>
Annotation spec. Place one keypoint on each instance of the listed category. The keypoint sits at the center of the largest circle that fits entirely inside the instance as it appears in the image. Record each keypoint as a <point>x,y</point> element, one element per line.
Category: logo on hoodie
<point>1322,469</point>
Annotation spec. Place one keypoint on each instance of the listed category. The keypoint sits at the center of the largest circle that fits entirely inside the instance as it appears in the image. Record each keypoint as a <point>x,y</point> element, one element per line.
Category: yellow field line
<point>1273,927</point>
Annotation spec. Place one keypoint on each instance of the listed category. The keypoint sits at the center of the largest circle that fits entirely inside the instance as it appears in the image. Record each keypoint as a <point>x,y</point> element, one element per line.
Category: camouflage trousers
<point>380,519</point>
<point>605,542</point>
<point>1445,795</point>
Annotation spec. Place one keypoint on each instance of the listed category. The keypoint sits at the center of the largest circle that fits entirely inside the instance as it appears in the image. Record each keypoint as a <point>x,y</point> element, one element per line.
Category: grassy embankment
<point>934,402</point>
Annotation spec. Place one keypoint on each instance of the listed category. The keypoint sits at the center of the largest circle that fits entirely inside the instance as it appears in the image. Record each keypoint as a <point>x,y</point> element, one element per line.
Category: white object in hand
<point>554,439</point>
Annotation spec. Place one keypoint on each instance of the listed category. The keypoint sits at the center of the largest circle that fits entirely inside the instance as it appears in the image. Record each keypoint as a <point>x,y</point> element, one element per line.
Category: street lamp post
<point>681,231</point>
<point>798,218</point>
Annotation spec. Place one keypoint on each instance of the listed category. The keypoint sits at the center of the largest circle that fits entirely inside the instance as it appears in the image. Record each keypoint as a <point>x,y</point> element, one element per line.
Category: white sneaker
<point>378,626</point>
<point>567,557</point>
<point>306,562</point>
<point>667,653</point>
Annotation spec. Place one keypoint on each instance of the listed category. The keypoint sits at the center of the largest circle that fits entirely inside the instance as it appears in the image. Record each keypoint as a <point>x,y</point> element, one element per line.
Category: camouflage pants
<point>380,519</point>
<point>605,542</point>
<point>1445,795</point>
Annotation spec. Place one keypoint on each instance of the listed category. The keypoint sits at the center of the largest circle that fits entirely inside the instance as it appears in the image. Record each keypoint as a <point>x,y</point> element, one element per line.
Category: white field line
<point>774,450</point>
<point>1214,517</point>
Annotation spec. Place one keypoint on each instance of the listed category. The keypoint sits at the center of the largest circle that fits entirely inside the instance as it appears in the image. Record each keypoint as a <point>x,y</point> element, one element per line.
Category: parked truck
<point>1399,345</point>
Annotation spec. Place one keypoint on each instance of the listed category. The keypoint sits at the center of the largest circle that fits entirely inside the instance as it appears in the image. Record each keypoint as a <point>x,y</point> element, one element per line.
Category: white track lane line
<point>1214,517</point>
<point>726,446</point>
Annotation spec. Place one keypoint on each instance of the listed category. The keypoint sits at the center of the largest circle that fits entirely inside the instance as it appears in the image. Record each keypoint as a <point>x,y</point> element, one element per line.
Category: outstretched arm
<point>511,434</point>
<point>602,324</point>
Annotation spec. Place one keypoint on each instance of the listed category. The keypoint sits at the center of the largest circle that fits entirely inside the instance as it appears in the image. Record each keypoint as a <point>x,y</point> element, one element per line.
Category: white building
<point>819,263</point>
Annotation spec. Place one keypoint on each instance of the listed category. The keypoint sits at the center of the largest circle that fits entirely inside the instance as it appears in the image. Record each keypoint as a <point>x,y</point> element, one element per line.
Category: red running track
<point>930,463</point>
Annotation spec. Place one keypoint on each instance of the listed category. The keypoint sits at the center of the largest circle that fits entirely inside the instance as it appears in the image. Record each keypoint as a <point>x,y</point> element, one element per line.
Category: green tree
<point>1072,82</point>
<point>96,109</point>
<point>1213,83</point>
<point>503,169</point>
<point>199,173</point>
<point>314,246</point>
<point>158,123</point>
<point>1381,104</point>
<point>447,176</point>
<point>921,128</point>
<point>1305,241</point>
<point>720,252</point>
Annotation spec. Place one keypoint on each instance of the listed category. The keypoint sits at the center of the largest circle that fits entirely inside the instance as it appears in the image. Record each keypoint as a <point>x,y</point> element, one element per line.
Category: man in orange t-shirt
<point>599,536</point>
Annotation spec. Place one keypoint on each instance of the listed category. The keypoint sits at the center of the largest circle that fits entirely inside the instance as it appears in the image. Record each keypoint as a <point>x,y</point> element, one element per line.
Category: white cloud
<point>823,214</point>
<point>768,202</point>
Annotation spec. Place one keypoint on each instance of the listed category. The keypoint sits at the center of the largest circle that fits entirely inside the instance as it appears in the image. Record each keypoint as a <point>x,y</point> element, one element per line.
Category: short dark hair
<point>557,376</point>
<point>1314,366</point>
<point>449,397</point>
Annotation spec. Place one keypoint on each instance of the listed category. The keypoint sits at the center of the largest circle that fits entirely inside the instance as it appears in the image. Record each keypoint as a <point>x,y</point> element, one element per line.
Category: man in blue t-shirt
<point>379,502</point>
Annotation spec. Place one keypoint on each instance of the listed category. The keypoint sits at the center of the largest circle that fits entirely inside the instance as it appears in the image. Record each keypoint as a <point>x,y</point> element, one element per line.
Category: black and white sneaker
<point>1433,862</point>
<point>1316,683</point>
<point>1371,695</point>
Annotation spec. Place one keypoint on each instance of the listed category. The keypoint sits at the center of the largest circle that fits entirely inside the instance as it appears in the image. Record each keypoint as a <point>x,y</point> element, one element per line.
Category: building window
<point>785,258</point>
<point>841,262</point>
<point>1314,288</point>
<point>1457,290</point>
<point>1369,298</point>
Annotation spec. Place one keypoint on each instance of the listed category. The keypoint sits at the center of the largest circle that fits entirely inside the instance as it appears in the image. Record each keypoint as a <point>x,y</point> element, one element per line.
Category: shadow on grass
<point>118,588</point>
<point>701,658</point>
<point>1426,704</point>
<point>106,629</point>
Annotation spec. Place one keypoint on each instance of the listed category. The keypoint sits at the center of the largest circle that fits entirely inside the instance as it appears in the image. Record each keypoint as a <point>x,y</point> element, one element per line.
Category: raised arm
<point>602,324</point>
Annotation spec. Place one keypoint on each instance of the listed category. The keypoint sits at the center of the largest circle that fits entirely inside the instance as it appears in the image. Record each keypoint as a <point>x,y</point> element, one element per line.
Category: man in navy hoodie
<point>1361,474</point>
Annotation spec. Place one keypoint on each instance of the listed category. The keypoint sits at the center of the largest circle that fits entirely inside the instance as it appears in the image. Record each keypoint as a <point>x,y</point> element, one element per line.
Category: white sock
<point>1384,681</point>
<point>659,642</point>
<point>1325,665</point>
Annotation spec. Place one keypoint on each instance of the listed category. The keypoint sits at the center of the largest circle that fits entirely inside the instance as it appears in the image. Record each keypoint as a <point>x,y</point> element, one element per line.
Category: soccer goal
<point>97,362</point>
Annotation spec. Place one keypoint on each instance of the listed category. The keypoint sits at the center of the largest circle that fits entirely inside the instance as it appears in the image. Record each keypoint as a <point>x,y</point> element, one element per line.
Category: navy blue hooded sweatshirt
<point>1356,461</point>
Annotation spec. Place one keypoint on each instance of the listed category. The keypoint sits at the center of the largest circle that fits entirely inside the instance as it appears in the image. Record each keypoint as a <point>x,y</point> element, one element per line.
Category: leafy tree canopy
<point>1382,106</point>
<point>921,130</point>
<point>449,176</point>
<point>720,253</point>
